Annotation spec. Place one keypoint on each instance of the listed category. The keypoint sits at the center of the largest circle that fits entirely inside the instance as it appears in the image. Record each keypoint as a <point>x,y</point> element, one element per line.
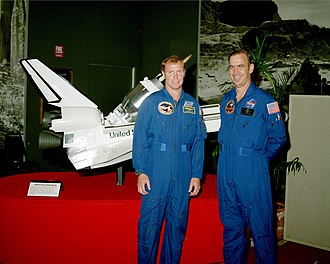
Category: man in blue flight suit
<point>251,133</point>
<point>168,156</point>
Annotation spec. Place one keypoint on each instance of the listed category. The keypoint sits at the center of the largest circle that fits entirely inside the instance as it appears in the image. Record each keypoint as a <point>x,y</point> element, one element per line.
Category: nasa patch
<point>251,103</point>
<point>165,108</point>
<point>188,103</point>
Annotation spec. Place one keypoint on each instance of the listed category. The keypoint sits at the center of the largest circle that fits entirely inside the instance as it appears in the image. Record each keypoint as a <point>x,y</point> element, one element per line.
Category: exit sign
<point>59,51</point>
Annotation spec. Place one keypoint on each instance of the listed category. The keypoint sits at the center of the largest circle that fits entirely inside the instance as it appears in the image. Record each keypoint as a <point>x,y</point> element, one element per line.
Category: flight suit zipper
<point>236,104</point>
<point>174,138</point>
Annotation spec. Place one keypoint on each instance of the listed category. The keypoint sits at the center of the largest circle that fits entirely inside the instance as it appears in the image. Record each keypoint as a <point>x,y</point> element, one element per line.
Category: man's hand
<point>195,186</point>
<point>142,182</point>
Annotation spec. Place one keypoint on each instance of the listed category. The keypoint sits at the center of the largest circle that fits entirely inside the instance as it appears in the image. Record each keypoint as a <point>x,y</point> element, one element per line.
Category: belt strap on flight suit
<point>243,151</point>
<point>162,146</point>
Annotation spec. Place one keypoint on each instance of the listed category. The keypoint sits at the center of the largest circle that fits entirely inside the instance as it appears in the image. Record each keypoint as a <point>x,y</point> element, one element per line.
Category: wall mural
<point>295,34</point>
<point>12,77</point>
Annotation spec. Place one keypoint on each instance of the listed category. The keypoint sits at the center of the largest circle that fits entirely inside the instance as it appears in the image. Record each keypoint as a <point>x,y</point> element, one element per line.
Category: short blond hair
<point>172,59</point>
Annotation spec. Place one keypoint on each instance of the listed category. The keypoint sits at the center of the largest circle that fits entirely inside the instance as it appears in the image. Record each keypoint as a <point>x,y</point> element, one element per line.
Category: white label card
<point>44,188</point>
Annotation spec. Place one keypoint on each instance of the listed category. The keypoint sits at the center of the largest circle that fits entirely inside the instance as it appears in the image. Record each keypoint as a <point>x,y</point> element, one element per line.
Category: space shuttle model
<point>91,139</point>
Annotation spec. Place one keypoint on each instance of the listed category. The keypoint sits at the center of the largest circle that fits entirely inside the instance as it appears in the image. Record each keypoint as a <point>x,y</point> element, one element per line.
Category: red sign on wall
<point>59,51</point>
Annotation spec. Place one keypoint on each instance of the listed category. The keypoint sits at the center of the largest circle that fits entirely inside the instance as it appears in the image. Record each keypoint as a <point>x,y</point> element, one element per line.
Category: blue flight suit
<point>251,133</point>
<point>168,146</point>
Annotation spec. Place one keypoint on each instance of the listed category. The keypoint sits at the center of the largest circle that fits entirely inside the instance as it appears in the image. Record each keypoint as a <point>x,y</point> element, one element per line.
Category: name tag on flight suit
<point>247,111</point>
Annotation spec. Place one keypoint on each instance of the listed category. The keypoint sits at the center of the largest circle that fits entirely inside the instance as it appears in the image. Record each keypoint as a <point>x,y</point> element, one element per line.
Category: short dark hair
<point>241,51</point>
<point>172,59</point>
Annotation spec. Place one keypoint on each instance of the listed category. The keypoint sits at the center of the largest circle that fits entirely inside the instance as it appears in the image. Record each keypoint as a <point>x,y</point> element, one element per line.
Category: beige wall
<point>307,211</point>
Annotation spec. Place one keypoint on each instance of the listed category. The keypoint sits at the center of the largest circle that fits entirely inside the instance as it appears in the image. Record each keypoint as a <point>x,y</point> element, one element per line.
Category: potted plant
<point>278,172</point>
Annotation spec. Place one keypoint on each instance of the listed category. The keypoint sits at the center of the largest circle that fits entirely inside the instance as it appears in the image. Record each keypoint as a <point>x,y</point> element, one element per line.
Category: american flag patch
<point>273,108</point>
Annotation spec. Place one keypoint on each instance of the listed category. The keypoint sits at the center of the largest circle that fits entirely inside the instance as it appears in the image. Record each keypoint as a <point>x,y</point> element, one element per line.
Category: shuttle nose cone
<point>187,58</point>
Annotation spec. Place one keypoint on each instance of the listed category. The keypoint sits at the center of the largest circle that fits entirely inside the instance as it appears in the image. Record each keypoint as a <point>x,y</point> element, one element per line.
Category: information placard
<point>44,188</point>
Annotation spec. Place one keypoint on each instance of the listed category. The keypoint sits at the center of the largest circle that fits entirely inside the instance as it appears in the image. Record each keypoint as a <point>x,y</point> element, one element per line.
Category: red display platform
<point>93,221</point>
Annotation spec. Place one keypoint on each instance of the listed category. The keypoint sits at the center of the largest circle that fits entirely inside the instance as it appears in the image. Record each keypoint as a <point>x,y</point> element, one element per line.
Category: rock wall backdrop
<point>227,25</point>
